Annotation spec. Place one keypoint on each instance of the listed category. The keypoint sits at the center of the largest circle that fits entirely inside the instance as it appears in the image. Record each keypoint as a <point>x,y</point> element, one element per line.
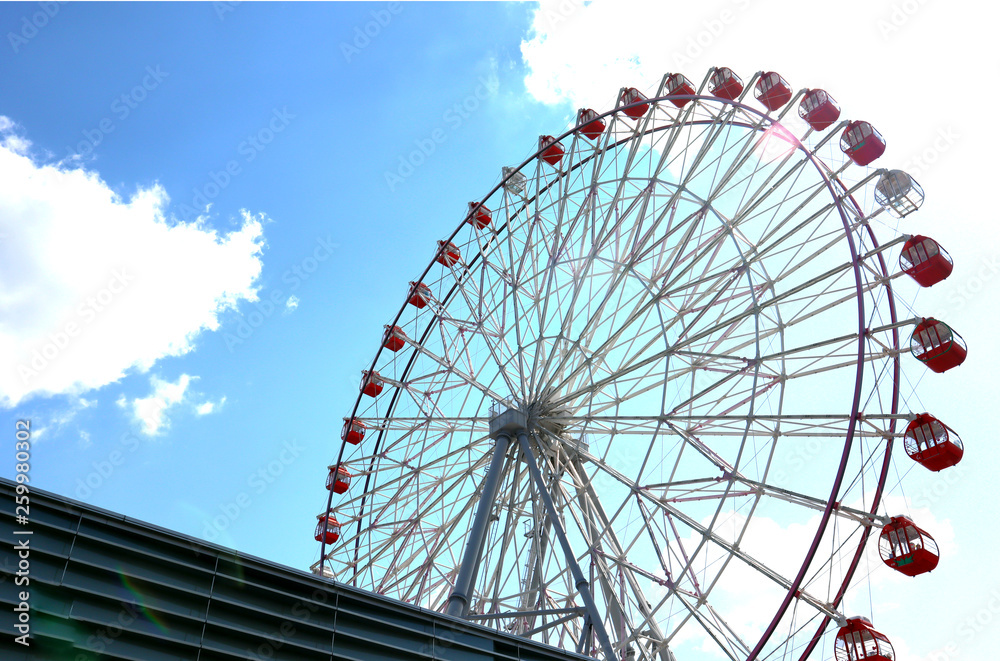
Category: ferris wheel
<point>643,401</point>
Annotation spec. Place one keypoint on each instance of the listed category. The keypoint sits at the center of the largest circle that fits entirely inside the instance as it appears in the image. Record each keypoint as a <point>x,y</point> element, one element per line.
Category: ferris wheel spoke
<point>830,346</point>
<point>498,350</point>
<point>745,146</point>
<point>440,424</point>
<point>733,639</point>
<point>679,249</point>
<point>584,273</point>
<point>449,369</point>
<point>422,514</point>
<point>708,535</point>
<point>652,358</point>
<point>678,255</point>
<point>651,362</point>
<point>705,622</point>
<point>596,529</point>
<point>717,128</point>
<point>765,189</point>
<point>399,480</point>
<point>861,517</point>
<point>808,194</point>
<point>737,425</point>
<point>714,489</point>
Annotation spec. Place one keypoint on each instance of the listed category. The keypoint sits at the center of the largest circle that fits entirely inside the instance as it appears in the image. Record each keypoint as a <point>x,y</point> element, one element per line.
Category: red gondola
<point>862,143</point>
<point>588,124</point>
<point>772,90</point>
<point>552,151</point>
<point>906,548</point>
<point>725,84</point>
<point>924,260</point>
<point>448,253</point>
<point>899,193</point>
<point>678,85</point>
<point>858,641</point>
<point>478,217</point>
<point>328,529</point>
<point>632,95</point>
<point>936,345</point>
<point>339,481</point>
<point>932,444</point>
<point>353,430</point>
<point>420,294</point>
<point>394,338</point>
<point>371,383</point>
<point>819,109</point>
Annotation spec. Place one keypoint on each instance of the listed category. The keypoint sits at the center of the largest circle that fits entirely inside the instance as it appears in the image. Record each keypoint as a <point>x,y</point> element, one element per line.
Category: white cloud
<point>291,304</point>
<point>209,407</point>
<point>85,441</point>
<point>58,420</point>
<point>93,285</point>
<point>573,56</point>
<point>150,412</point>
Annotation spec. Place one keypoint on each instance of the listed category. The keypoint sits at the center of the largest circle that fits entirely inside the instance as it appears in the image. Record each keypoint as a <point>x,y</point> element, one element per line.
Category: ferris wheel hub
<point>542,421</point>
<point>508,422</point>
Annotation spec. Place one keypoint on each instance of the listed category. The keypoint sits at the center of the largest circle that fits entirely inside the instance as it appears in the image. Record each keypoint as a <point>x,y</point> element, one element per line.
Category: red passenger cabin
<point>899,193</point>
<point>937,346</point>
<point>448,253</point>
<point>479,216</point>
<point>394,338</point>
<point>932,444</point>
<point>906,548</point>
<point>862,143</point>
<point>819,109</point>
<point>772,90</point>
<point>371,383</point>
<point>858,641</point>
<point>552,151</point>
<point>353,430</point>
<point>924,260</point>
<point>589,125</point>
<point>420,295</point>
<point>632,95</point>
<point>679,85</point>
<point>339,481</point>
<point>725,84</point>
<point>328,529</point>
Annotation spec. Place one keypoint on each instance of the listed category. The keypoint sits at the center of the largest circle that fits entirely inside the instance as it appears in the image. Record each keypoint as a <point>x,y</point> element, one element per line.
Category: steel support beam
<point>461,594</point>
<point>594,616</point>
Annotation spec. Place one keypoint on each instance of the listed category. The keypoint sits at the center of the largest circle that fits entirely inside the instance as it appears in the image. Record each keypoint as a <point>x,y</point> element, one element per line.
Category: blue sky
<point>226,202</point>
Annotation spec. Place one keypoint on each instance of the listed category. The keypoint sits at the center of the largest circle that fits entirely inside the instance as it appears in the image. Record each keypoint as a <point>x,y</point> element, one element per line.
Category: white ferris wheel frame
<point>650,246</point>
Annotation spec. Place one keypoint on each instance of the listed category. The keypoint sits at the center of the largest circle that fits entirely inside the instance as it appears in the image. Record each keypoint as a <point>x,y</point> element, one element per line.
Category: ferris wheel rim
<point>884,472</point>
<point>861,340</point>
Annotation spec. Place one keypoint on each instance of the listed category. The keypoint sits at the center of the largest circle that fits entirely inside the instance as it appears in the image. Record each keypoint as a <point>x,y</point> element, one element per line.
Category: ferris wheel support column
<point>458,602</point>
<point>596,619</point>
